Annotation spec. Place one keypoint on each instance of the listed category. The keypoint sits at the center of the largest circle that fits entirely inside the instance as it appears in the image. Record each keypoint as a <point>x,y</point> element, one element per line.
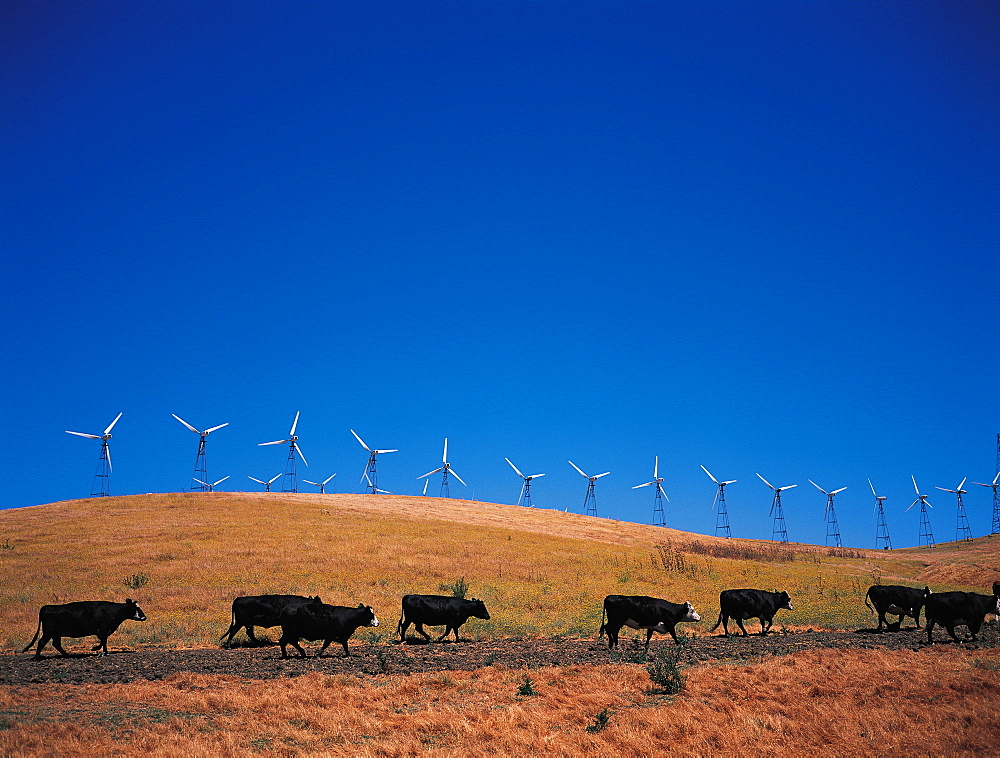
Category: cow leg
<point>725,623</point>
<point>103,645</point>
<point>447,630</point>
<point>951,631</point>
<point>420,630</point>
<point>895,627</point>
<point>347,652</point>
<point>649,636</point>
<point>57,644</point>
<point>403,626</point>
<point>739,623</point>
<point>41,643</point>
<point>765,626</point>
<point>930,628</point>
<point>881,620</point>
<point>613,636</point>
<point>249,628</point>
<point>326,644</point>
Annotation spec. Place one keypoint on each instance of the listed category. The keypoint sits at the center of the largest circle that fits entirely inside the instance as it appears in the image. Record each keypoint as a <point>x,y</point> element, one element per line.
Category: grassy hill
<point>184,557</point>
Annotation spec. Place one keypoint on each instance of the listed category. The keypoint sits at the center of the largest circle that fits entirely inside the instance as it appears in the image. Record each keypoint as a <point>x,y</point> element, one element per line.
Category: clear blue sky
<point>758,236</point>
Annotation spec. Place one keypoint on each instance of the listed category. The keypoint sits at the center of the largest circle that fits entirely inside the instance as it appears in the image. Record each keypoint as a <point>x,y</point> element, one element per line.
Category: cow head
<point>996,588</point>
<point>786,601</point>
<point>316,600</point>
<point>690,614</point>
<point>478,609</point>
<point>372,618</point>
<point>137,614</point>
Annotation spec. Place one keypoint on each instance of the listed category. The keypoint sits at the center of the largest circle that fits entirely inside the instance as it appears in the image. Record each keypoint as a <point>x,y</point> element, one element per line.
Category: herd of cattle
<point>309,618</point>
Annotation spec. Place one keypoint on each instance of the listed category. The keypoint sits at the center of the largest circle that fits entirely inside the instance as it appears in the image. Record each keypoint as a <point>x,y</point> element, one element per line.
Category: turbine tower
<point>211,487</point>
<point>290,483</point>
<point>525,497</point>
<point>590,501</point>
<point>830,516</point>
<point>102,476</point>
<point>445,468</point>
<point>996,502</point>
<point>926,537</point>
<point>778,531</point>
<point>200,461</point>
<point>371,473</point>
<point>267,484</point>
<point>321,485</point>
<point>962,530</point>
<point>659,519</point>
<point>881,528</point>
<point>722,516</point>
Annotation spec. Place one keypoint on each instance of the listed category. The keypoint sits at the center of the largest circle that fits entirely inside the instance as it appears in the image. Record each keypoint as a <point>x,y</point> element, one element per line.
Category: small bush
<point>136,581</point>
<point>600,721</point>
<point>665,671</point>
<point>459,588</point>
<point>527,688</point>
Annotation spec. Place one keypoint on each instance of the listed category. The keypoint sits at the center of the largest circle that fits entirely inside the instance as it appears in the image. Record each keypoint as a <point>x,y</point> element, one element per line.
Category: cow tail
<point>867,595</point>
<point>600,633</point>
<point>717,622</point>
<point>232,620</point>
<point>37,632</point>
<point>399,624</point>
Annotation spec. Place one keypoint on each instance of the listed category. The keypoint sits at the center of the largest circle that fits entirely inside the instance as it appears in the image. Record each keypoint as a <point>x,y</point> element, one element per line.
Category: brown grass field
<point>541,573</point>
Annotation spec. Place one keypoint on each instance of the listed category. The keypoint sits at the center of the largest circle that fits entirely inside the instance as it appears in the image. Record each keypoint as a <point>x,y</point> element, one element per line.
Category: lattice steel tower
<point>101,486</point>
<point>722,515</point>
<point>830,515</point>
<point>778,531</point>
<point>925,538</point>
<point>590,499</point>
<point>290,481</point>
<point>524,498</point>
<point>659,517</point>
<point>962,530</point>
<point>881,527</point>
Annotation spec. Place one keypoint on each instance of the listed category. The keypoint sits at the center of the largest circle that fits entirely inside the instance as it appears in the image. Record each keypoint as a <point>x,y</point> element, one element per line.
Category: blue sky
<point>760,237</point>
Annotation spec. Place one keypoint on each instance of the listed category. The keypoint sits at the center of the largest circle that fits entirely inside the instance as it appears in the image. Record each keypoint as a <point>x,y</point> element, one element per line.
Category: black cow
<point>952,608</point>
<point>319,621</point>
<point>895,599</point>
<point>261,610</point>
<point>438,610</point>
<point>748,604</point>
<point>82,619</point>
<point>641,612</point>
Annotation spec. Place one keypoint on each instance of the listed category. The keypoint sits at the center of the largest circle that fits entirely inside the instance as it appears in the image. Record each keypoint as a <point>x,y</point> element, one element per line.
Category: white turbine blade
<point>873,488</point>
<point>787,487</point>
<point>945,490</point>
<point>455,474</point>
<point>294,424</point>
<point>185,423</point>
<point>214,428</point>
<point>915,489</point>
<point>710,474</point>
<point>506,459</point>
<point>361,441</point>
<point>299,451</point>
<point>108,449</point>
<point>200,481</point>
<point>600,475</point>
<point>431,472</point>
<point>731,481</point>
<point>534,476</point>
<point>276,442</point>
<point>663,492</point>
<point>963,482</point>
<point>656,466</point>
<point>112,424</point>
<point>578,469</point>
<point>220,481</point>
<point>82,434</point>
<point>426,482</point>
<point>444,458</point>
<point>996,478</point>
<point>912,504</point>
<point>766,482</point>
<point>379,452</point>
<point>643,485</point>
<point>325,481</point>
<point>817,486</point>
<point>309,482</point>
<point>840,490</point>
<point>256,480</point>
<point>273,478</point>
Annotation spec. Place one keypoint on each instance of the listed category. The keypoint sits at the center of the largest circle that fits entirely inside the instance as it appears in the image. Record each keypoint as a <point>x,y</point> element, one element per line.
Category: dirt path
<point>371,660</point>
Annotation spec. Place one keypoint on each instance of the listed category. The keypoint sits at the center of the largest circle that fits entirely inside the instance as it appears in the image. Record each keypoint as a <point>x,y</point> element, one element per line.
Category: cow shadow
<point>888,630</point>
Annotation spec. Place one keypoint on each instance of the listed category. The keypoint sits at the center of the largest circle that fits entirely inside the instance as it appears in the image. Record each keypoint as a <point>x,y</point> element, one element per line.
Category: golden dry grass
<point>851,703</point>
<point>539,571</point>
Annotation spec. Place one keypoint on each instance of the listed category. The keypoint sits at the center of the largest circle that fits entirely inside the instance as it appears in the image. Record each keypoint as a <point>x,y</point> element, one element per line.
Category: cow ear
<point>129,601</point>
<point>361,605</point>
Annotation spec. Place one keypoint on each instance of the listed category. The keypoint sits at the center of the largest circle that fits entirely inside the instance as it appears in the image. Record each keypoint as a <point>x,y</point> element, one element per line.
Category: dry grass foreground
<point>933,702</point>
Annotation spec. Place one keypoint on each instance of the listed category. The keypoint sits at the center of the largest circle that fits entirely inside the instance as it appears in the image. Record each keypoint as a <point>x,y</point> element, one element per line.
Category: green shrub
<point>665,671</point>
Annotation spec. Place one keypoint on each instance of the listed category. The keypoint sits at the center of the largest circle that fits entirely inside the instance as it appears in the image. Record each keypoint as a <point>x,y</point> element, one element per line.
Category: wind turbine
<point>525,497</point>
<point>425,487</point>
<point>881,528</point>
<point>267,484</point>
<point>101,485</point>
<point>830,515</point>
<point>289,483</point>
<point>659,519</point>
<point>590,501</point>
<point>321,485</point>
<point>962,530</point>
<point>211,487</point>
<point>926,537</point>
<point>778,527</point>
<point>722,518</point>
<point>370,470</point>
<point>996,501</point>
<point>200,461</point>
<point>444,469</point>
